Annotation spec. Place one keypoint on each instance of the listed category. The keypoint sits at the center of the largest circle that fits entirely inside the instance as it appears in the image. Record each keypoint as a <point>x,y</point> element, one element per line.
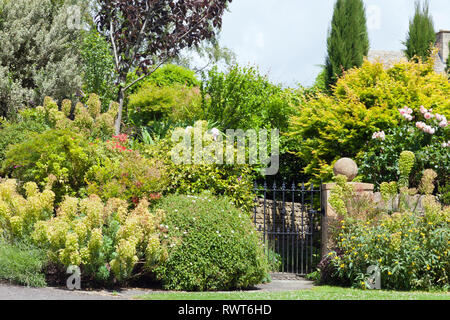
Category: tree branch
<point>111,31</point>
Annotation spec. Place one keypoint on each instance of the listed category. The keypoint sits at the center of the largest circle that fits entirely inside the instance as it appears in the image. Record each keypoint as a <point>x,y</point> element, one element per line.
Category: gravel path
<point>13,292</point>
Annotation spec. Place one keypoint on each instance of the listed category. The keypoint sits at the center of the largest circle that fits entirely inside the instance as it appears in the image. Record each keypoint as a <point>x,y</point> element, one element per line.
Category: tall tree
<point>421,35</point>
<point>348,40</point>
<point>144,34</point>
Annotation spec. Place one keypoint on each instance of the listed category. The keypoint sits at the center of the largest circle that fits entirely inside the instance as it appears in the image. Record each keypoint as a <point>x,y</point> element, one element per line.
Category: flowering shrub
<point>425,138</point>
<point>123,173</point>
<point>234,181</point>
<point>129,178</point>
<point>411,250</point>
<point>18,214</point>
<point>88,120</point>
<point>106,241</point>
<point>366,100</point>
<point>212,245</point>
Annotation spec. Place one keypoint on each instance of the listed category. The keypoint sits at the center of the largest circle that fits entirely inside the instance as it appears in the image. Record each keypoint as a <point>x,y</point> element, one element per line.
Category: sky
<point>286,39</point>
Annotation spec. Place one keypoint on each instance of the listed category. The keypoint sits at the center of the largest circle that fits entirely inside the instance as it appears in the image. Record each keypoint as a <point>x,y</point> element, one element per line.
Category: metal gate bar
<point>289,237</point>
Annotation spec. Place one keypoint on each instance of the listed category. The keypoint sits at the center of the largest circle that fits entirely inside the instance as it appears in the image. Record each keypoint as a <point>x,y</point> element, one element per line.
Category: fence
<point>289,222</point>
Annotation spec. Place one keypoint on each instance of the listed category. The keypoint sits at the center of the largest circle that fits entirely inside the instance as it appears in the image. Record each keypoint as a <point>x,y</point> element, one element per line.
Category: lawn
<point>316,293</point>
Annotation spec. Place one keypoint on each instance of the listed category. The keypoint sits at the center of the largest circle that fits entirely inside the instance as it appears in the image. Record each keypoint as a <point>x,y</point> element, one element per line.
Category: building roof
<point>390,58</point>
<point>387,58</point>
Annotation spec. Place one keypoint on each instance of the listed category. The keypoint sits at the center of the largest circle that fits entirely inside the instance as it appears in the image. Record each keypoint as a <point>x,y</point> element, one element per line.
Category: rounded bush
<point>212,245</point>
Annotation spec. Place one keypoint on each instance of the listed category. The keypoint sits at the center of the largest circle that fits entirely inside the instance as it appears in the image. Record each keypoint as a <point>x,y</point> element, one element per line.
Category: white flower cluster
<point>379,135</point>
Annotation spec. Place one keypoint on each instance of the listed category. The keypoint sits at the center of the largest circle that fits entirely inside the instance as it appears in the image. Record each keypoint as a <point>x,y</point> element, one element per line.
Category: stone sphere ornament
<point>346,167</point>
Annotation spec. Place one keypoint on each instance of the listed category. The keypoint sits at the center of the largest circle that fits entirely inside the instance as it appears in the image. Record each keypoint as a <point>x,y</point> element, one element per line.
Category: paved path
<point>13,292</point>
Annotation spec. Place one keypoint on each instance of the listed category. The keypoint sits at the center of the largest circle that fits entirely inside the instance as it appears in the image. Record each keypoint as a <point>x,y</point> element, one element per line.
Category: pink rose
<point>428,116</point>
<point>423,110</point>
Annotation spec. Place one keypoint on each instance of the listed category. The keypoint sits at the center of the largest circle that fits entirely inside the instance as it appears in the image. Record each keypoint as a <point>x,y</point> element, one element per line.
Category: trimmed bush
<point>212,245</point>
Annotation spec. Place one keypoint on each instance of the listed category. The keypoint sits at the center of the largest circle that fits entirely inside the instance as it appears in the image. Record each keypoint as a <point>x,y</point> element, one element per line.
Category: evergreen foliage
<point>348,40</point>
<point>421,35</point>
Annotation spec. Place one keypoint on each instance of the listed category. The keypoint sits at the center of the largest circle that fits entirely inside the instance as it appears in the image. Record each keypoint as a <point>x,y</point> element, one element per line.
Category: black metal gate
<point>289,221</point>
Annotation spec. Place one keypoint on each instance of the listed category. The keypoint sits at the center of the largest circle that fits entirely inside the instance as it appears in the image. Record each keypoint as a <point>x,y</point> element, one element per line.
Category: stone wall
<point>288,216</point>
<point>442,42</point>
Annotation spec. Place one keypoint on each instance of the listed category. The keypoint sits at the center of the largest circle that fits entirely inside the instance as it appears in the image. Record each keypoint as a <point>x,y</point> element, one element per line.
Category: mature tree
<point>348,40</point>
<point>421,35</point>
<point>38,53</point>
<point>144,34</point>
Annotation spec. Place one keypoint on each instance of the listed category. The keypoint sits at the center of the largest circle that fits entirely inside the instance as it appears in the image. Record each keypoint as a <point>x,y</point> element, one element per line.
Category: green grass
<point>22,264</point>
<point>316,293</point>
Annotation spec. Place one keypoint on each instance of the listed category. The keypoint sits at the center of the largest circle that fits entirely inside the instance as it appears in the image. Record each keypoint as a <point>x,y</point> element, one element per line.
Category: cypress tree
<point>348,39</point>
<point>421,35</point>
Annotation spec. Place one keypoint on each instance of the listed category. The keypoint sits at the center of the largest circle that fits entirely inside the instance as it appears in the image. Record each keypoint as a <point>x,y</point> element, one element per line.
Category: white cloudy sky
<point>287,38</point>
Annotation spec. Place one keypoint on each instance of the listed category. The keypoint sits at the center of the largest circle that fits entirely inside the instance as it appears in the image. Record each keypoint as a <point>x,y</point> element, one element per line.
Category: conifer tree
<point>421,35</point>
<point>348,40</point>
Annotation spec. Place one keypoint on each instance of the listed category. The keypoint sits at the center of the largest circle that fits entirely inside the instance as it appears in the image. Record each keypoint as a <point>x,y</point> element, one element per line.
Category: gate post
<point>330,217</point>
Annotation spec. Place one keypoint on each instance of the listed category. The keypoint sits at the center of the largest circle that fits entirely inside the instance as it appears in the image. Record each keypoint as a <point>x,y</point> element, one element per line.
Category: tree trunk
<point>119,114</point>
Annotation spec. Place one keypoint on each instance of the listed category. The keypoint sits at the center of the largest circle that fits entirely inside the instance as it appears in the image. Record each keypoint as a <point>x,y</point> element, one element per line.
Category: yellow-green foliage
<point>388,190</point>
<point>152,102</point>
<point>88,120</point>
<point>18,214</point>
<point>92,235</point>
<point>340,194</point>
<point>427,182</point>
<point>365,100</point>
<point>405,165</point>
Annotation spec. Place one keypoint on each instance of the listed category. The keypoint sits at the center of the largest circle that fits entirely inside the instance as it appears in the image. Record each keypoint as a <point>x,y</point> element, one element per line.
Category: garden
<point>87,177</point>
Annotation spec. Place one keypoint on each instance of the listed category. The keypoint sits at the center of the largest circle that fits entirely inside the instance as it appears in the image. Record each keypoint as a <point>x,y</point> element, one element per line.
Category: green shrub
<point>234,181</point>
<point>444,194</point>
<point>171,74</point>
<point>364,101</point>
<point>58,157</point>
<point>212,245</point>
<point>22,264</point>
<point>411,250</point>
<point>430,150</point>
<point>125,174</point>
<point>153,103</point>
<point>16,132</point>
